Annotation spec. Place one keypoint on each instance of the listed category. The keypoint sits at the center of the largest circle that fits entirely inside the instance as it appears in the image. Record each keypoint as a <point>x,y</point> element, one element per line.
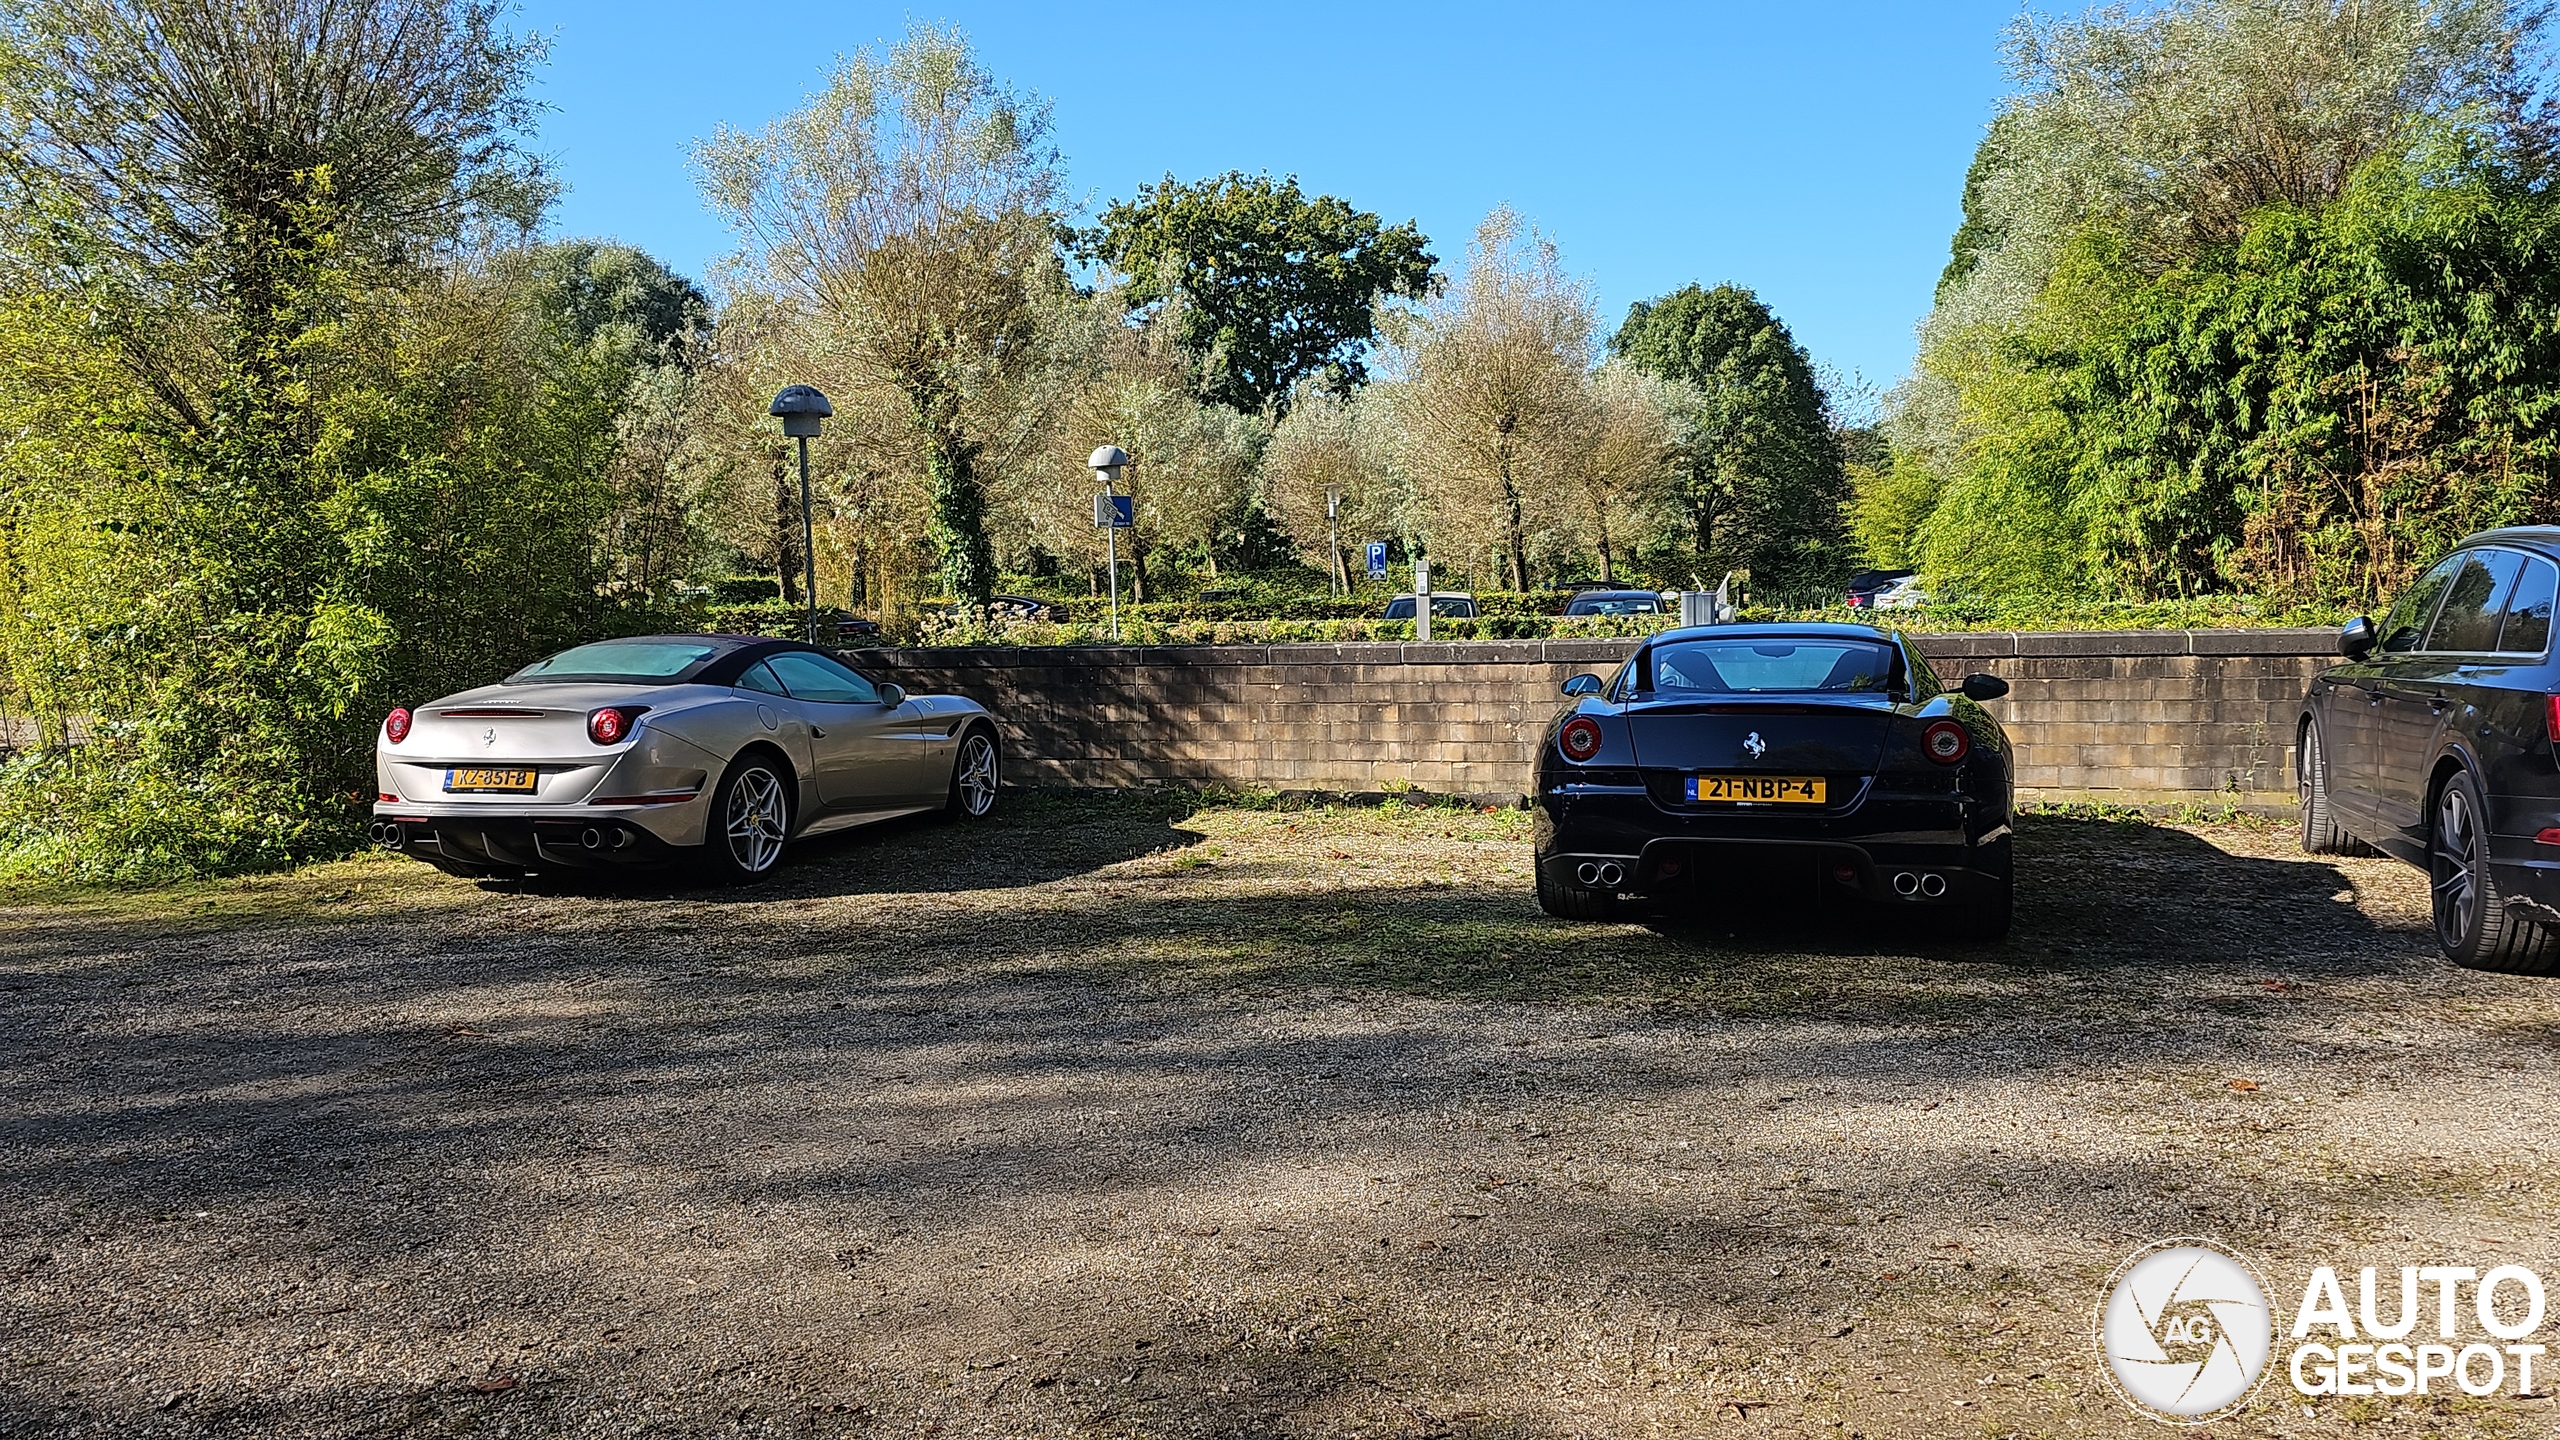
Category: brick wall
<point>2140,717</point>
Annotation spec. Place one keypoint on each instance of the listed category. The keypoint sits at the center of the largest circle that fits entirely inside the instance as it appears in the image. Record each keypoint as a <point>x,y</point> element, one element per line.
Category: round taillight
<point>1946,742</point>
<point>395,726</point>
<point>606,727</point>
<point>1580,738</point>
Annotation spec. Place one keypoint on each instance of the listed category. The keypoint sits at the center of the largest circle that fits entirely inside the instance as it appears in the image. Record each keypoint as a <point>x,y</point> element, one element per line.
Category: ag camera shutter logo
<point>2186,1331</point>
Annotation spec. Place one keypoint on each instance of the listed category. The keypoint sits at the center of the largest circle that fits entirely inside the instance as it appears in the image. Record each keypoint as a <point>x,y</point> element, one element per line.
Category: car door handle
<point>2373,697</point>
<point>821,734</point>
<point>2437,703</point>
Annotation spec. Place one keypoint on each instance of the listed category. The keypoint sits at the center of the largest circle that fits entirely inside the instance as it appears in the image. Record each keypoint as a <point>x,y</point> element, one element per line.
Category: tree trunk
<point>1518,543</point>
<point>786,531</point>
<point>1600,522</point>
<point>958,523</point>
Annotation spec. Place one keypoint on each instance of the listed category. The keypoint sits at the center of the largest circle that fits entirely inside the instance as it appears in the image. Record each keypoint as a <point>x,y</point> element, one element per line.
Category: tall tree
<point>908,209</point>
<point>1491,391</point>
<point>1279,287</point>
<point>1762,476</point>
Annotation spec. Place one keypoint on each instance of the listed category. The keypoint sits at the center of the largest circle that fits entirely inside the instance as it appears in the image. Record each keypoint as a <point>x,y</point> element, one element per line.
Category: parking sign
<point>1377,559</point>
<point>1114,512</point>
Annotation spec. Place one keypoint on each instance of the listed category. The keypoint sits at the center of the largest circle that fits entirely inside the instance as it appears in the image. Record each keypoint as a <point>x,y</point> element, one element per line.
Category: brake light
<point>611,725</point>
<point>1580,738</point>
<point>1946,742</point>
<point>2551,719</point>
<point>395,726</point>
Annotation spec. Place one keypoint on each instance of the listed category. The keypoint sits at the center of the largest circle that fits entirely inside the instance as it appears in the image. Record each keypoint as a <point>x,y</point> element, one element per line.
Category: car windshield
<point>1456,607</point>
<point>1615,605</point>
<point>635,662</point>
<point>1771,666</point>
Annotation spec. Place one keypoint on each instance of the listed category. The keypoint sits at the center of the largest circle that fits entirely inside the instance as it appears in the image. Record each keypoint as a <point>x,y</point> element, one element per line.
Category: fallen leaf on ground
<point>494,1384</point>
<point>2244,1084</point>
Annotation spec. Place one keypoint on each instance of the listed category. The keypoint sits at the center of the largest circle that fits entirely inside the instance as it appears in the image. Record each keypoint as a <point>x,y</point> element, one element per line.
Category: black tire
<point>747,845</point>
<point>2476,926</point>
<point>2320,832</point>
<point>1572,902</point>
<point>977,775</point>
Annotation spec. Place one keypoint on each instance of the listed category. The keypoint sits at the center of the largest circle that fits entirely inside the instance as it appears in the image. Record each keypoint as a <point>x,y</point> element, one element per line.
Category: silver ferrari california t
<point>660,747</point>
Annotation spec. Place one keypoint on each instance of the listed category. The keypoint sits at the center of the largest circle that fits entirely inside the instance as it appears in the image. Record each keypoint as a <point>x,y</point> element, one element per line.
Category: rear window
<point>1447,607</point>
<point>1614,605</point>
<point>636,662</point>
<point>1767,666</point>
<point>2528,626</point>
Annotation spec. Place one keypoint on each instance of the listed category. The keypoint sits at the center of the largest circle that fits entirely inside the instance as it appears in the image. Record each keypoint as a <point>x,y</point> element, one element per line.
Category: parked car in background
<point>721,749</point>
<point>2435,742</point>
<point>1616,602</point>
<point>1886,590</point>
<point>1767,770</point>
<point>1445,605</point>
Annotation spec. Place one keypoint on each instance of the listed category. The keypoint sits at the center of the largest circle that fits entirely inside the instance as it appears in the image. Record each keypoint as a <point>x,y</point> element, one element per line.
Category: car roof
<point>1806,630</point>
<point>2545,538</point>
<point>1617,594</point>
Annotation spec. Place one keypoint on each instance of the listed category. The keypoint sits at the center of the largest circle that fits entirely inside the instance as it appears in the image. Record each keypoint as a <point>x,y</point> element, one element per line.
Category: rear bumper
<point>1937,849</point>
<point>568,837</point>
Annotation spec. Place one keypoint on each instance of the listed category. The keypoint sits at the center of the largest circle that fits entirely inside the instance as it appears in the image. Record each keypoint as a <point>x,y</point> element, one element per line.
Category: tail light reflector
<point>395,726</point>
<point>2546,837</point>
<point>1946,742</point>
<point>1580,738</point>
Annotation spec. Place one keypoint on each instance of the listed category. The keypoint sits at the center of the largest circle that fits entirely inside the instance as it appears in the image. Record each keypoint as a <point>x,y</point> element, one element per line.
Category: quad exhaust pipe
<point>1927,885</point>
<point>386,834</point>
<point>1601,874</point>
<point>605,837</point>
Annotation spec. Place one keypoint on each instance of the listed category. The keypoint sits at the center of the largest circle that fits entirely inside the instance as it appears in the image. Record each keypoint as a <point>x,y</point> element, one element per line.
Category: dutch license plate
<point>1757,789</point>
<point>497,781</point>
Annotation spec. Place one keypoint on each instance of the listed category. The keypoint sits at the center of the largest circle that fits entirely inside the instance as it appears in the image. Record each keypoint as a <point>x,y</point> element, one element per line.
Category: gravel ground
<point>1120,1119</point>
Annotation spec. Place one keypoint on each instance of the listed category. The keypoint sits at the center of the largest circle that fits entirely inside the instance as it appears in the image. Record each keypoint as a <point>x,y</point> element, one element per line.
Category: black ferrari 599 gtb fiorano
<point>1774,770</point>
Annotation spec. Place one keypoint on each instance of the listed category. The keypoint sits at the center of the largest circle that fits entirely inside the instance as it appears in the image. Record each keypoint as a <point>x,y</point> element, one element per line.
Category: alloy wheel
<point>2457,887</point>
<point>978,778</point>
<point>756,820</point>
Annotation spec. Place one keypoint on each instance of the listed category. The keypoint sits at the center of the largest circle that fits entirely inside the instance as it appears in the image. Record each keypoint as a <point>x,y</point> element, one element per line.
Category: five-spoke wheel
<point>751,819</point>
<point>976,776</point>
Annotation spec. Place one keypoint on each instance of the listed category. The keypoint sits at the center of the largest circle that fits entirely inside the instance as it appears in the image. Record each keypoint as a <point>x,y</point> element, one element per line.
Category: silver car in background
<point>661,747</point>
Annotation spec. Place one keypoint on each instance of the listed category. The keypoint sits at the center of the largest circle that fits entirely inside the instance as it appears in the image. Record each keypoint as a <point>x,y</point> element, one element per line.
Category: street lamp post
<point>803,411</point>
<point>1333,533</point>
<point>1107,464</point>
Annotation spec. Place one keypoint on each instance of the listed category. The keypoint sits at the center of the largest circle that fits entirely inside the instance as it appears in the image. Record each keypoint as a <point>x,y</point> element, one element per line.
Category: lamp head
<point>1107,463</point>
<point>802,410</point>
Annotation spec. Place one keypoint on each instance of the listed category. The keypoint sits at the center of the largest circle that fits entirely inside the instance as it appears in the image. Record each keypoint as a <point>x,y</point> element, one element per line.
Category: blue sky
<point>1813,152</point>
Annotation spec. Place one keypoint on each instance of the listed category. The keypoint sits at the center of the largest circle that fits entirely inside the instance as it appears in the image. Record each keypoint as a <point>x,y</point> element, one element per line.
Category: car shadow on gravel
<point>1033,838</point>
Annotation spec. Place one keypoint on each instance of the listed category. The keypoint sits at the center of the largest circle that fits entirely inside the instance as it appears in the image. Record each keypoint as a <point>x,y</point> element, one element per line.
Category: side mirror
<point>892,694</point>
<point>1583,685</point>
<point>1983,687</point>
<point>2356,640</point>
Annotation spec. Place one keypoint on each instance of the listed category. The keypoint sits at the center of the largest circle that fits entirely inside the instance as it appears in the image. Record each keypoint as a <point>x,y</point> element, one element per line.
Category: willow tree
<point>1491,390</point>
<point>908,210</point>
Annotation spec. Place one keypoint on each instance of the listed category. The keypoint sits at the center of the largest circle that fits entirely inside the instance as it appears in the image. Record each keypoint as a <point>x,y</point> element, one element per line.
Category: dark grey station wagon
<point>2438,741</point>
